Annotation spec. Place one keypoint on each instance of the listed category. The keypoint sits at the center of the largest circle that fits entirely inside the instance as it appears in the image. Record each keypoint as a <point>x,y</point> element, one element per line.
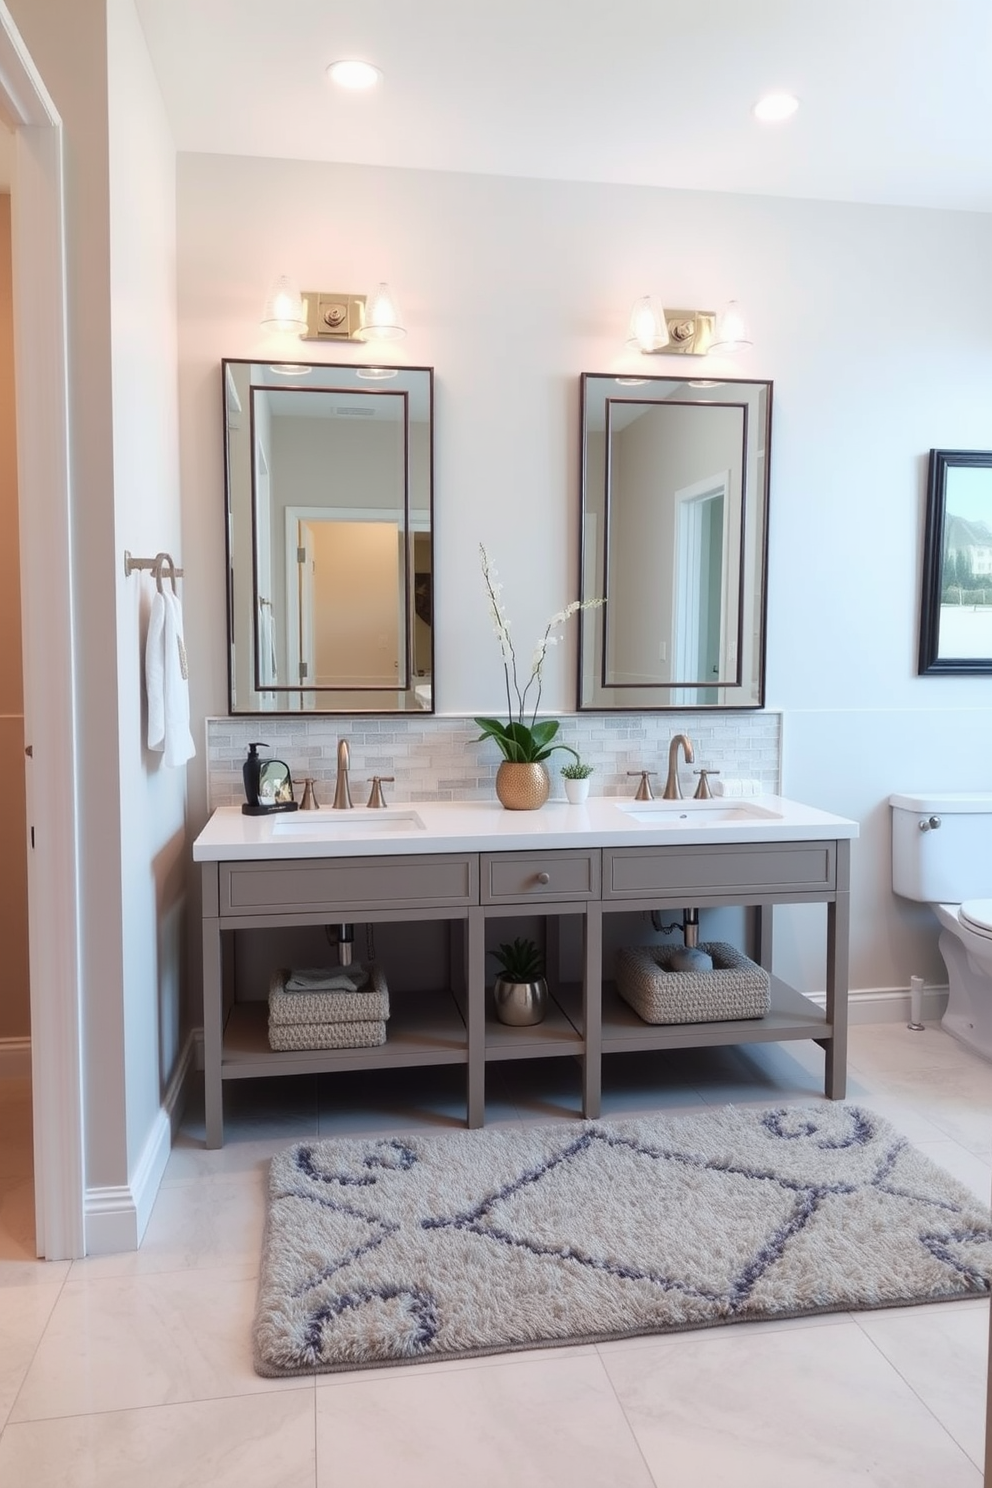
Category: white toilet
<point>942,855</point>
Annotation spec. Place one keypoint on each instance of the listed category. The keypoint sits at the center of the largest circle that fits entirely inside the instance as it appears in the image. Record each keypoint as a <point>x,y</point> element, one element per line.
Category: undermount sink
<point>695,813</point>
<point>355,823</point>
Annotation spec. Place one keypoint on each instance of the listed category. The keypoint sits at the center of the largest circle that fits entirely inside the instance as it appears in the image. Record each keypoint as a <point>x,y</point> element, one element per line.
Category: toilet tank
<point>949,862</point>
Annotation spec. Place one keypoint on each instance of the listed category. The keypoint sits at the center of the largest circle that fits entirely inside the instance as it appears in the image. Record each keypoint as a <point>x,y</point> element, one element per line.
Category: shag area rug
<point>436,1247</point>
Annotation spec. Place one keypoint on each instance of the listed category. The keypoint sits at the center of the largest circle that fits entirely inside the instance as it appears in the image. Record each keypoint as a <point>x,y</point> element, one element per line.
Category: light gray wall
<point>120,252</point>
<point>860,396</point>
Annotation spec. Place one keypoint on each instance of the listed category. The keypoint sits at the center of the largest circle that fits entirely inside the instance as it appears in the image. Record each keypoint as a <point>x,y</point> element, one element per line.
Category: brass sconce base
<point>333,317</point>
<point>690,333</point>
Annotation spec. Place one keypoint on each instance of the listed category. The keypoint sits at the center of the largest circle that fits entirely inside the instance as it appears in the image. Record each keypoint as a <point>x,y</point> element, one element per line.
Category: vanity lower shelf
<point>791,1016</point>
<point>423,1028</point>
<point>558,1035</point>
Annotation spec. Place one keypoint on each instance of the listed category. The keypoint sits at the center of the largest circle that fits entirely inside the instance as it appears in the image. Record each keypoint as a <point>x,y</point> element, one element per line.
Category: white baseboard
<point>887,1004</point>
<point>15,1058</point>
<point>115,1218</point>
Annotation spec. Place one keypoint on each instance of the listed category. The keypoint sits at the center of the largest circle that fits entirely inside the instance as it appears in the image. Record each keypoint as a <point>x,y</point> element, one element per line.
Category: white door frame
<point>689,502</point>
<point>50,713</point>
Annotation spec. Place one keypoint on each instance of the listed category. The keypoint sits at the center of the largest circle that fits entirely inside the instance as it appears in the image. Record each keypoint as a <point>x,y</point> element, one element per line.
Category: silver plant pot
<point>520,1003</point>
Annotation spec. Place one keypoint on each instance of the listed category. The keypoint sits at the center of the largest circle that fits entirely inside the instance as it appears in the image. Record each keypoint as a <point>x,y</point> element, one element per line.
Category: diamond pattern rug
<point>388,1250</point>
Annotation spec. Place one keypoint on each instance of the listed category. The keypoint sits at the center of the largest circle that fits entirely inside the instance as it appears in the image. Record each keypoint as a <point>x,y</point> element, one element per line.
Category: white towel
<point>729,786</point>
<point>166,682</point>
<point>267,667</point>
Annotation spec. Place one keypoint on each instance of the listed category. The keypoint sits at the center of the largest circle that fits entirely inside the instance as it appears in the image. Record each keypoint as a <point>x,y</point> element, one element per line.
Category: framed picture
<point>956,612</point>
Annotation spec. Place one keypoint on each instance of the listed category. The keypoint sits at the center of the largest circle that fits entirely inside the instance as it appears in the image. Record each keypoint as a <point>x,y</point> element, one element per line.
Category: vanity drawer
<point>521,878</point>
<point>338,886</point>
<point>781,868</point>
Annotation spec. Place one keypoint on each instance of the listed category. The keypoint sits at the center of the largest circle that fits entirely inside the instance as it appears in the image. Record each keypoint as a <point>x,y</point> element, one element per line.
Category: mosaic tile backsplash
<point>436,758</point>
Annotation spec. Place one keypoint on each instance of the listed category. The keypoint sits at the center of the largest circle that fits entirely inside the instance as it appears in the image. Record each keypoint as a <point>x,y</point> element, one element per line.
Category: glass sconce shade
<point>284,308</point>
<point>647,329</point>
<point>731,333</point>
<point>382,317</point>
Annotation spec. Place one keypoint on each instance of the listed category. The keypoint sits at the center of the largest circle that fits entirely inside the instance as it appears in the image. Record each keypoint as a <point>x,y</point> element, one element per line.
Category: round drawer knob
<point>544,878</point>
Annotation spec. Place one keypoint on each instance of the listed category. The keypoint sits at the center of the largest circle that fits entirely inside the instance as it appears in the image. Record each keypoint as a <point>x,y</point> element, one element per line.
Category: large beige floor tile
<point>544,1423</point>
<point>123,1342</point>
<point>818,1407</point>
<point>197,1225</point>
<point>265,1442</point>
<point>942,1355</point>
<point>24,1312</point>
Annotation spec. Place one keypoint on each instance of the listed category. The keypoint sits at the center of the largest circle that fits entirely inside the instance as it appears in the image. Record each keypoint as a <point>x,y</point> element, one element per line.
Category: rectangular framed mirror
<point>956,610</point>
<point>674,534</point>
<point>329,485</point>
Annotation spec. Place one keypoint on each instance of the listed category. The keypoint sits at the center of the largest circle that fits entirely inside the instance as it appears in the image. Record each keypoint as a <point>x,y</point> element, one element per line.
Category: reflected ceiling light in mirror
<point>382,317</point>
<point>704,382</point>
<point>376,374</point>
<point>731,333</point>
<point>647,329</point>
<point>353,74</point>
<point>775,107</point>
<point>631,381</point>
<point>289,369</point>
<point>284,308</point>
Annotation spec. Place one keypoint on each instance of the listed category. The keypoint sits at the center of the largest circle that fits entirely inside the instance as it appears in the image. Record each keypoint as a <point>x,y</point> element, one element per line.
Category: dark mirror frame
<point>246,688</point>
<point>744,688</point>
<point>932,662</point>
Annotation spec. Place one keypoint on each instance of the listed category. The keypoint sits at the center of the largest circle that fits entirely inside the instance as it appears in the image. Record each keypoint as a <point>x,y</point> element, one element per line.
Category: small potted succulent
<point>520,992</point>
<point>576,777</point>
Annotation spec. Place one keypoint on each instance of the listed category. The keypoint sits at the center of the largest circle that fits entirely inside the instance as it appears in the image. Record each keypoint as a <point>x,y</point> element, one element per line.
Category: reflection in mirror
<point>673,533</point>
<point>330,554</point>
<point>956,614</point>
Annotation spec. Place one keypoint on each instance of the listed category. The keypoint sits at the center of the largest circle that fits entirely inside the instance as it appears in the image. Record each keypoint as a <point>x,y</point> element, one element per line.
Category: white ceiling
<point>894,93</point>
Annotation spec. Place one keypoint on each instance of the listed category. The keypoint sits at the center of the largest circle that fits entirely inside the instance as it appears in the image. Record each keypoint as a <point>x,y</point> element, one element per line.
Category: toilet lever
<point>930,825</point>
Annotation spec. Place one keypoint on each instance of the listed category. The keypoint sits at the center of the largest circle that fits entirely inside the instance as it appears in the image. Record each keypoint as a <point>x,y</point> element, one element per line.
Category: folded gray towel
<point>326,979</point>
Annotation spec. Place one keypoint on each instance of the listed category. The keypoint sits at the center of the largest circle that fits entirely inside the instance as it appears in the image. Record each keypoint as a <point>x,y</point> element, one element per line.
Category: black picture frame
<point>956,558</point>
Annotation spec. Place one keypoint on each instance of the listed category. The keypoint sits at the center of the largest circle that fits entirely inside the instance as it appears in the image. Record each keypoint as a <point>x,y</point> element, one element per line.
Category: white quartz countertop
<point>480,826</point>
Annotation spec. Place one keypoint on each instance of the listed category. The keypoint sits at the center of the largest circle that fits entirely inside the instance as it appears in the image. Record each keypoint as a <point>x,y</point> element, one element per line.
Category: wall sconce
<point>319,315</point>
<point>652,329</point>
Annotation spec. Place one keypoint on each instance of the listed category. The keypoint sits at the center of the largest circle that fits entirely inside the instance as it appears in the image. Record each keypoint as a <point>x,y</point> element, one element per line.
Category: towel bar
<point>157,565</point>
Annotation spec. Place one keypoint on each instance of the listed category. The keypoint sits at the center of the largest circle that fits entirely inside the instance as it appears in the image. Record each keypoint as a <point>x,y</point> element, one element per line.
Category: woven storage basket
<point>735,988</point>
<point>329,1019</point>
<point>372,1002</point>
<point>366,1035</point>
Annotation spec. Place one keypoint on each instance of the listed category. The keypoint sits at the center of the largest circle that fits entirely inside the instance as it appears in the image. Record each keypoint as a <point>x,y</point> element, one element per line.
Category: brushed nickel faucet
<point>342,791</point>
<point>643,792</point>
<point>673,788</point>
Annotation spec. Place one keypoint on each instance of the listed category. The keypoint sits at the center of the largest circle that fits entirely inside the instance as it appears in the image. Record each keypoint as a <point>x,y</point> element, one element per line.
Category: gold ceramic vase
<point>522,787</point>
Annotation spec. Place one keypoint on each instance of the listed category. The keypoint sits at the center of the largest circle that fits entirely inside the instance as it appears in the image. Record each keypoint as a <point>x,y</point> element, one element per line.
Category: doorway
<point>46,575</point>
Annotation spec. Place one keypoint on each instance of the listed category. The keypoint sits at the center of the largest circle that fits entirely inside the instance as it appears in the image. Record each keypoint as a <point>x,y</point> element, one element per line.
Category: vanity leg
<point>763,926</point>
<point>838,931</point>
<point>475,1004</point>
<point>213,1026</point>
<point>592,1011</point>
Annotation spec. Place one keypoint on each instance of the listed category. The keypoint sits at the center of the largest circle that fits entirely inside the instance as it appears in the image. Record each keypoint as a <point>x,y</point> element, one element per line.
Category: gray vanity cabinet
<point>455,1025</point>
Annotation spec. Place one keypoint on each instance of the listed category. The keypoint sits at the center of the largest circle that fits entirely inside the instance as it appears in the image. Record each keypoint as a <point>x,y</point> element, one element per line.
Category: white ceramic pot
<point>577,791</point>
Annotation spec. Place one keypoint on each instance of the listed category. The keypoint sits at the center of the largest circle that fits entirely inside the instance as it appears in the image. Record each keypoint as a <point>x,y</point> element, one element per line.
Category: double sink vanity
<point>469,863</point>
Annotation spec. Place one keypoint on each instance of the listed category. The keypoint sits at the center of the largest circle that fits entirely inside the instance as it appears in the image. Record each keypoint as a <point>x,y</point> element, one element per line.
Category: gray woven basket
<point>372,1002</point>
<point>364,1035</point>
<point>735,988</point>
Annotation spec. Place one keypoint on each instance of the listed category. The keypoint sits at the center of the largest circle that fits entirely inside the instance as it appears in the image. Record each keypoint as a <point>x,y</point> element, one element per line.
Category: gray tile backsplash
<point>436,758</point>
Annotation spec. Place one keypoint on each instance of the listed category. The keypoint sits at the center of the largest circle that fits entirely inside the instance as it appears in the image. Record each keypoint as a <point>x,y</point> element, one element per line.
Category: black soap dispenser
<point>268,784</point>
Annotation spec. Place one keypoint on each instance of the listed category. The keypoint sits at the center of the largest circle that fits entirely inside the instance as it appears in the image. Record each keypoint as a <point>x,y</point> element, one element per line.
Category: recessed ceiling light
<point>349,73</point>
<point>775,107</point>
